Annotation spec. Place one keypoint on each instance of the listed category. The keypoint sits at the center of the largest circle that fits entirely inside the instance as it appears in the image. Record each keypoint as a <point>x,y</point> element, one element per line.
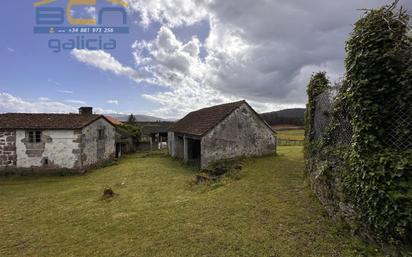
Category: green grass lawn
<point>268,211</point>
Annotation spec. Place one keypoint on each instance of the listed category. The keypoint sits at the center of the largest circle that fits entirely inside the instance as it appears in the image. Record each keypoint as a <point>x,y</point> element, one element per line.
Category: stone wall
<point>58,149</point>
<point>242,133</point>
<point>175,144</point>
<point>95,150</point>
<point>7,149</point>
<point>329,192</point>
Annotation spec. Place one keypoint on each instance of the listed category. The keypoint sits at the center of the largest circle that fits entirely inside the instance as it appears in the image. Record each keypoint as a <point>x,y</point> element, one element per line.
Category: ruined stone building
<point>221,132</point>
<point>45,143</point>
<point>126,142</point>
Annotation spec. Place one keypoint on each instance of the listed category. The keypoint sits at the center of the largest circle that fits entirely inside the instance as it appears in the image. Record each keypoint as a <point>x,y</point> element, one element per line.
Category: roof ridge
<point>199,122</point>
<point>47,120</point>
<point>218,105</point>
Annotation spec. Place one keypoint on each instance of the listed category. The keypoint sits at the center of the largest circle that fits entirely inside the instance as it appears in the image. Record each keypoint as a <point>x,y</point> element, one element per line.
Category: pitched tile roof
<point>113,120</point>
<point>46,121</point>
<point>200,122</point>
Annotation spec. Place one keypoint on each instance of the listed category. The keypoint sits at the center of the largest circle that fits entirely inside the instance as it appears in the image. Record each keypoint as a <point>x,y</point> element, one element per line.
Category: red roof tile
<point>113,120</point>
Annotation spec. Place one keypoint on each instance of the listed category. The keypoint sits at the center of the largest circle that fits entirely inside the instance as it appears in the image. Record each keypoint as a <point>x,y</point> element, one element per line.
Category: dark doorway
<point>194,151</point>
<point>179,147</point>
<point>120,149</point>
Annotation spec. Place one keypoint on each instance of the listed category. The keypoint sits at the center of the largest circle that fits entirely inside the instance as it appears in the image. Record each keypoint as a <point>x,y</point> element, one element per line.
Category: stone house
<point>126,142</point>
<point>46,143</point>
<point>221,132</point>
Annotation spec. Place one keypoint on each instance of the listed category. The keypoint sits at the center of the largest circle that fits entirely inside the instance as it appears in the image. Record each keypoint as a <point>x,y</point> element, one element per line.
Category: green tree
<point>131,119</point>
<point>133,129</point>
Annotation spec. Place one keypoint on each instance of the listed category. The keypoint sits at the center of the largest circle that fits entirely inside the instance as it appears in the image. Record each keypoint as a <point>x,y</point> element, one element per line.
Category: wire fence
<point>397,135</point>
<point>290,142</point>
<point>341,132</point>
<point>323,110</point>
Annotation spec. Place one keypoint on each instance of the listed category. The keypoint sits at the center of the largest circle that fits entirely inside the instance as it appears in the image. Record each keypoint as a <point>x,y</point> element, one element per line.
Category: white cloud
<point>261,51</point>
<point>65,91</point>
<point>191,80</point>
<point>106,62</point>
<point>170,12</point>
<point>54,82</point>
<point>99,110</point>
<point>113,102</point>
<point>77,102</point>
<point>10,103</point>
<point>100,59</point>
<point>11,50</point>
<point>177,66</point>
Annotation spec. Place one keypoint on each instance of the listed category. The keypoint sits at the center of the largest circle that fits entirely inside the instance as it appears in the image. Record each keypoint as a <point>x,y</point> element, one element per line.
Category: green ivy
<point>317,85</point>
<point>377,178</point>
<point>378,65</point>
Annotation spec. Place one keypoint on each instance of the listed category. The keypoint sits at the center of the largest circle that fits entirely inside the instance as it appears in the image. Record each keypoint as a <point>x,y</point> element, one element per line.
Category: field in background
<point>286,127</point>
<point>297,134</point>
<point>268,210</point>
<point>291,137</point>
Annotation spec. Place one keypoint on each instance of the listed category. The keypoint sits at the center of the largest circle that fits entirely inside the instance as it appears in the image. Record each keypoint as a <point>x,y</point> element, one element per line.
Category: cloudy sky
<point>180,55</point>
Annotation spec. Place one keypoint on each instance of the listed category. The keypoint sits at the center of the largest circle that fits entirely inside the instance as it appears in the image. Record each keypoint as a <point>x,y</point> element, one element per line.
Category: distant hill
<point>288,116</point>
<point>139,117</point>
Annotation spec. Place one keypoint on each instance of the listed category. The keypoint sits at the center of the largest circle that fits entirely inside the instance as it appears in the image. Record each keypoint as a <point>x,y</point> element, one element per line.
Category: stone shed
<point>48,143</point>
<point>154,135</point>
<point>221,132</point>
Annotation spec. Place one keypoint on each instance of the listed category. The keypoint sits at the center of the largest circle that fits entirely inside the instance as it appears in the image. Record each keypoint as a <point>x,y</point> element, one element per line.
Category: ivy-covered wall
<point>368,181</point>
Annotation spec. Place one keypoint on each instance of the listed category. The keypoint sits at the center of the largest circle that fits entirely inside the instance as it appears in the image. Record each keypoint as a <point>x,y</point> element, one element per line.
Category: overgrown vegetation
<point>318,84</point>
<point>133,129</point>
<point>379,69</point>
<point>222,167</point>
<point>268,212</point>
<point>375,173</point>
<point>219,173</point>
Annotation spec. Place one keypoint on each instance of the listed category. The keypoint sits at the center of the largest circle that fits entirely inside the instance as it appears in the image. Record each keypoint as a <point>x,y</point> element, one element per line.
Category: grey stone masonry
<point>8,155</point>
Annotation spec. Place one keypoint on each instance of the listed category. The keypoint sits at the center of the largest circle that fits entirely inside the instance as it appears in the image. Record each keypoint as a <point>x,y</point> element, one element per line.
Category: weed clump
<point>223,167</point>
<point>219,173</point>
<point>108,193</point>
